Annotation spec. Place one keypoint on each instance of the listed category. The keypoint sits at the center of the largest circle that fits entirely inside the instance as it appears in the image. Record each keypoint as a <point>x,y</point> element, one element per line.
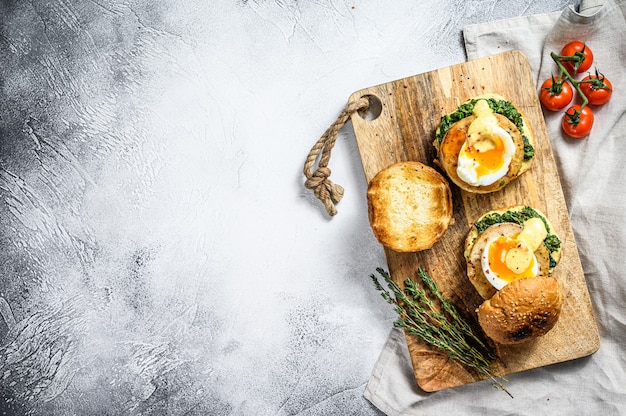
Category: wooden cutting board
<point>410,110</point>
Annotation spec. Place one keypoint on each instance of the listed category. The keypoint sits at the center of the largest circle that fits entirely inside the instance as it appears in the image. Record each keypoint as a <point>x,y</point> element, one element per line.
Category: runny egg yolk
<point>502,253</point>
<point>506,259</point>
<point>490,160</point>
<point>487,152</point>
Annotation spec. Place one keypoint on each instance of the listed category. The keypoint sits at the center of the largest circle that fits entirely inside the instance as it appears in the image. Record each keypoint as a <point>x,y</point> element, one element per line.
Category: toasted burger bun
<point>450,146</point>
<point>409,206</point>
<point>522,310</point>
<point>475,243</point>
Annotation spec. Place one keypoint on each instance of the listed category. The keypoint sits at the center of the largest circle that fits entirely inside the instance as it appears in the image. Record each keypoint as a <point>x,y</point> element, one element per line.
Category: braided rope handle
<point>317,180</point>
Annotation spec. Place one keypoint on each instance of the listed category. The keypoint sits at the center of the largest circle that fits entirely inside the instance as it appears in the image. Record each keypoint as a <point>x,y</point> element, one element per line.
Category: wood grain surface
<point>404,130</point>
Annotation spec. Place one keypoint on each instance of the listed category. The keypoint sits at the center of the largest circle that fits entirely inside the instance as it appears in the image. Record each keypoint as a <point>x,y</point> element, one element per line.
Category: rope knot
<point>317,178</point>
<point>323,188</point>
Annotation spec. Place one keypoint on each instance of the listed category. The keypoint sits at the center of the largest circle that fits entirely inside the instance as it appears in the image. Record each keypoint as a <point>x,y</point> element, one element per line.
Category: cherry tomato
<point>577,123</point>
<point>597,88</point>
<point>555,95</point>
<point>572,49</point>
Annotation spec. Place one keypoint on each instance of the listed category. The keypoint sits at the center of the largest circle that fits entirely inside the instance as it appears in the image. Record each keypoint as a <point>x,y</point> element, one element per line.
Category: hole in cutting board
<point>373,110</point>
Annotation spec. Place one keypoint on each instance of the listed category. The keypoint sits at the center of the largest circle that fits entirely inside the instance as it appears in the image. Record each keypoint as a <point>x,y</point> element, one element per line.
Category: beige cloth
<point>593,175</point>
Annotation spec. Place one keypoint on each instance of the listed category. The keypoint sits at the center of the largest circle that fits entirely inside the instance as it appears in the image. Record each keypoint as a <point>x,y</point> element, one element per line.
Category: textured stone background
<point>158,252</point>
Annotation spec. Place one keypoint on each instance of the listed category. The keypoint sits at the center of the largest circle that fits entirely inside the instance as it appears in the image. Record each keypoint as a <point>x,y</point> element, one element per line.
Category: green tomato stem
<point>597,82</point>
<point>564,72</point>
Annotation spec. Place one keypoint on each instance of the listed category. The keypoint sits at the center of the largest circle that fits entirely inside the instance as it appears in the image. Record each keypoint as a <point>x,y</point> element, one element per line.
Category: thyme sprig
<point>424,311</point>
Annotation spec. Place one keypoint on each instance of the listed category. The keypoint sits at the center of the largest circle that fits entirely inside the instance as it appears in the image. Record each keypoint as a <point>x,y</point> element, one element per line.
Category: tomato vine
<point>556,92</point>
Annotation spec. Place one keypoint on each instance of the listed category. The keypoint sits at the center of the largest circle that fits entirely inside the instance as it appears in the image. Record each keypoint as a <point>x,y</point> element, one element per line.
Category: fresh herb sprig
<point>423,311</point>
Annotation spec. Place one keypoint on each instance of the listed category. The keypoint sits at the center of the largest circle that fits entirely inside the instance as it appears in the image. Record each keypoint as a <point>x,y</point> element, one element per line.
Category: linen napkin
<point>593,178</point>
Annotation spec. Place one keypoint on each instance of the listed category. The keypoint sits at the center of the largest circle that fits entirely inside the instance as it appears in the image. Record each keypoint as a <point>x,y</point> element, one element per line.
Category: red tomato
<point>597,88</point>
<point>577,123</point>
<point>577,48</point>
<point>555,96</point>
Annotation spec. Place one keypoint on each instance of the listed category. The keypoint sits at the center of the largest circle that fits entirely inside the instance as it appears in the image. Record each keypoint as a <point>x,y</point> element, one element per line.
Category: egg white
<point>467,165</point>
<point>492,277</point>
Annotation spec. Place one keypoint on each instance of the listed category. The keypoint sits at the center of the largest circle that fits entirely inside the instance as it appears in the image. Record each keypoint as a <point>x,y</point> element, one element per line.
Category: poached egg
<point>487,151</point>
